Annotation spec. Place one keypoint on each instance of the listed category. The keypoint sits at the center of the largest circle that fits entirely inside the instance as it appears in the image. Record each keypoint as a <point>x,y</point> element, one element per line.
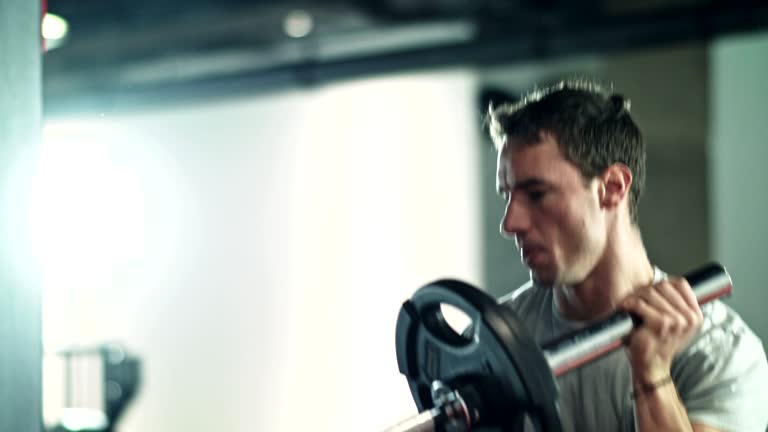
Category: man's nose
<point>516,220</point>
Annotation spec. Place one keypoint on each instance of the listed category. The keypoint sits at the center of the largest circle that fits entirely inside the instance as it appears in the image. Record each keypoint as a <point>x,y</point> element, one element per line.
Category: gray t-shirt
<point>721,376</point>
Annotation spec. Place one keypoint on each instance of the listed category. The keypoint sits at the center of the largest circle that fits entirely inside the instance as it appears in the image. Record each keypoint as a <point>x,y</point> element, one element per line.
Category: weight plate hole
<point>457,320</point>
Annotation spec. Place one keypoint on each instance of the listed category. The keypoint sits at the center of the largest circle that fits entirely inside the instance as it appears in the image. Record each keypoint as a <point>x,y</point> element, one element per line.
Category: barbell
<point>493,375</point>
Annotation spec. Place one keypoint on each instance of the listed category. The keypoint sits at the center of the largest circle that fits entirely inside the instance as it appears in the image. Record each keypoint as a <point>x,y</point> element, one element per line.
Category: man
<point>571,166</point>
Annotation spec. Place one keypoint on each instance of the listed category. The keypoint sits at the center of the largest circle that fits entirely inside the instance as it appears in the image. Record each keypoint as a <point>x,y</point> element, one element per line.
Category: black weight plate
<point>495,356</point>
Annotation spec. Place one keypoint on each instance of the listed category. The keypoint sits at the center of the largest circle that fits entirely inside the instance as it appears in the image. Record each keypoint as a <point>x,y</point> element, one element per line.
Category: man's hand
<point>670,316</point>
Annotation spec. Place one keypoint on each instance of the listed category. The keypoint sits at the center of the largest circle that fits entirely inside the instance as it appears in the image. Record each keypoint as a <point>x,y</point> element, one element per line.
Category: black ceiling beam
<point>598,35</point>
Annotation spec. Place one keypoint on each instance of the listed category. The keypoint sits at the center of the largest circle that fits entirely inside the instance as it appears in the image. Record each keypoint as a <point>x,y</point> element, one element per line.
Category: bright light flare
<point>298,24</point>
<point>54,27</point>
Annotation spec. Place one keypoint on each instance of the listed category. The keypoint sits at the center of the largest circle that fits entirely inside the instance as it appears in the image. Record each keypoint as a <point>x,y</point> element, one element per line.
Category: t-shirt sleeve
<point>722,377</point>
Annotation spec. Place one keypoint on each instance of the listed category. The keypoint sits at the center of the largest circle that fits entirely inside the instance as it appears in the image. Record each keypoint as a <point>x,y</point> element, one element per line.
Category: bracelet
<point>646,388</point>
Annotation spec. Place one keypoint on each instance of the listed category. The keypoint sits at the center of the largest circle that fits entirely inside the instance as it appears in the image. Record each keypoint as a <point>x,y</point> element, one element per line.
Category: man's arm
<point>670,316</point>
<point>698,427</point>
<point>660,408</point>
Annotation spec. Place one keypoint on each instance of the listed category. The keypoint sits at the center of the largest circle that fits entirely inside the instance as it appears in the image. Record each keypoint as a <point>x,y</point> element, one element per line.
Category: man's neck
<point>623,267</point>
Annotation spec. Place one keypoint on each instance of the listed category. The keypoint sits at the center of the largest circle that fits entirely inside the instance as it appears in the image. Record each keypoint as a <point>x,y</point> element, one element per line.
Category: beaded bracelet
<point>646,388</point>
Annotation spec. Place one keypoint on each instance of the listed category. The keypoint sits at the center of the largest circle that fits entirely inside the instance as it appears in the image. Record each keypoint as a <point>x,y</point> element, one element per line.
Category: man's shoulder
<point>523,292</point>
<point>724,350</point>
<point>528,297</point>
<point>722,375</point>
<point>721,324</point>
<point>723,333</point>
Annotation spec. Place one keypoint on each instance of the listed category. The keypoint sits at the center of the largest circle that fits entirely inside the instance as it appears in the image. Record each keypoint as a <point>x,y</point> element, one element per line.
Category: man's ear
<point>614,185</point>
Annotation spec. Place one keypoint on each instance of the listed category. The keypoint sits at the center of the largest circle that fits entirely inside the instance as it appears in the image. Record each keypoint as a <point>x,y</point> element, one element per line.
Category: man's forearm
<point>658,408</point>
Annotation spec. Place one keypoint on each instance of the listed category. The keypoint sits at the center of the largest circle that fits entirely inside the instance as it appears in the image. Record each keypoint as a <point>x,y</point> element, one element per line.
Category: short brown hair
<point>592,126</point>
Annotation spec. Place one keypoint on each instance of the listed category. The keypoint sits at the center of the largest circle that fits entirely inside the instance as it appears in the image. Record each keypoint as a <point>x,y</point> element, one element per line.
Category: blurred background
<point>230,199</point>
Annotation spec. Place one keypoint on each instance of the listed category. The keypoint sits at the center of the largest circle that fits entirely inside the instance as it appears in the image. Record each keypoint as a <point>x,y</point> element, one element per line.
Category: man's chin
<point>542,277</point>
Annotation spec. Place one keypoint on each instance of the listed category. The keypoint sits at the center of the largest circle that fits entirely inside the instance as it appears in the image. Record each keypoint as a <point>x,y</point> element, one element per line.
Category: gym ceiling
<point>139,46</point>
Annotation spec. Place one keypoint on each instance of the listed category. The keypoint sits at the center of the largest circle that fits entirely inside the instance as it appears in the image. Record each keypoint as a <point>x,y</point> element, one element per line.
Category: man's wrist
<point>647,387</point>
<point>650,373</point>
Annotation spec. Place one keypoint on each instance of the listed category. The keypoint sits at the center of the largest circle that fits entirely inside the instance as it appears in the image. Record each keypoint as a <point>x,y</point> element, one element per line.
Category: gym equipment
<point>99,383</point>
<point>492,375</point>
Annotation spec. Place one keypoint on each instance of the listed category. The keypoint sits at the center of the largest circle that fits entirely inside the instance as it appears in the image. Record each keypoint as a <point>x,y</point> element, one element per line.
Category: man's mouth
<point>532,254</point>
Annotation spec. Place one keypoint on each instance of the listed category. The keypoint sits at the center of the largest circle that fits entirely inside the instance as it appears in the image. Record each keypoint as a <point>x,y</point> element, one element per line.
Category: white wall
<point>255,252</point>
<point>738,155</point>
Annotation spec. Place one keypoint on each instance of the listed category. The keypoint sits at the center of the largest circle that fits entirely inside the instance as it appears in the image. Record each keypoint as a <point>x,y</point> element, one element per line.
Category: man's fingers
<point>665,308</point>
<point>672,296</point>
<point>652,318</point>
<point>686,314</point>
<point>656,299</point>
<point>687,294</point>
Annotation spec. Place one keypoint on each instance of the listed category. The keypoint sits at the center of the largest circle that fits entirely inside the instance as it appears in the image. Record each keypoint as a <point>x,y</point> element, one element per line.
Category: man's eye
<point>536,195</point>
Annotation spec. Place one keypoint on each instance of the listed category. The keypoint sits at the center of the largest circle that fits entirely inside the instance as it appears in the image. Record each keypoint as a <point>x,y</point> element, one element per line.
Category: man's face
<point>553,214</point>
